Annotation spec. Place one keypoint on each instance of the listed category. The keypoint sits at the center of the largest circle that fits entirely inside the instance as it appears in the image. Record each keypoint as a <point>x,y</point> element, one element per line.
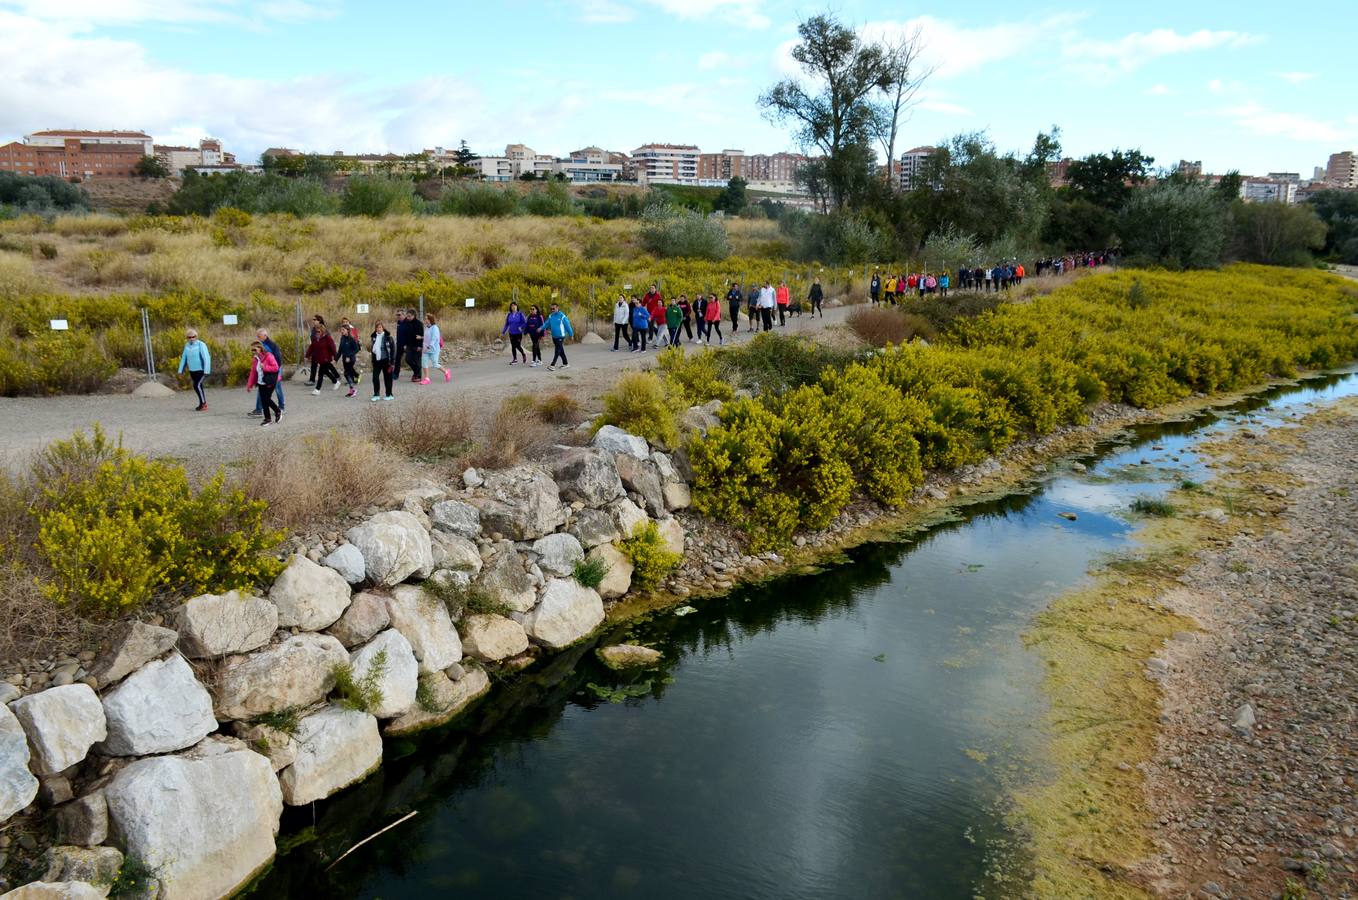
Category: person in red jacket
<point>655,305</point>
<point>783,296</point>
<point>264,374</point>
<point>322,353</point>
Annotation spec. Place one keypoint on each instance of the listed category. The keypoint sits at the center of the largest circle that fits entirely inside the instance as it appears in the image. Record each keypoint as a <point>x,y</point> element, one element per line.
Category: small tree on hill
<point>151,167</point>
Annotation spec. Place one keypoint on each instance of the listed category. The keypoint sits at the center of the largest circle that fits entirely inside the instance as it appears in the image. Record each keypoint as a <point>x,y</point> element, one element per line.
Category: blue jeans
<point>259,400</point>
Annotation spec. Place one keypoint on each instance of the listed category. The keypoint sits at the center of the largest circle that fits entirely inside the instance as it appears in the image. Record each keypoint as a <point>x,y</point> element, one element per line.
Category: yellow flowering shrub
<point>693,380</point>
<point>640,403</point>
<point>123,528</point>
<point>651,559</point>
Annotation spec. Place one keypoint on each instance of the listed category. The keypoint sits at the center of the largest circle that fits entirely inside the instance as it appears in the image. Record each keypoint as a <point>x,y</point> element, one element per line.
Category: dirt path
<point>170,427</point>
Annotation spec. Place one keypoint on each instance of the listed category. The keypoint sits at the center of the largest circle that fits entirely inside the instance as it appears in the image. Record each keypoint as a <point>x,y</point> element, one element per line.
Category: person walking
<point>944,280</point>
<point>533,327</point>
<point>415,346</point>
<point>674,320</point>
<point>516,325</point>
<point>402,336</point>
<point>688,310</point>
<point>433,349</point>
<point>733,298</point>
<point>322,352</point>
<point>264,375</point>
<point>766,304</point>
<point>383,350</point>
<point>783,297</point>
<point>700,313</point>
<point>622,318</point>
<point>276,352</point>
<point>712,314</point>
<point>752,309</point>
<point>656,307</point>
<point>560,327</point>
<point>348,354</point>
<point>316,321</point>
<point>198,361</point>
<point>875,288</point>
<point>641,325</point>
<point>815,297</point>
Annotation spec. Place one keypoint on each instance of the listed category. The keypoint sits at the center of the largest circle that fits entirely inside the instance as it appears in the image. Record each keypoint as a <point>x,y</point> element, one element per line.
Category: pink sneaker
<point>424,381</point>
<point>447,375</point>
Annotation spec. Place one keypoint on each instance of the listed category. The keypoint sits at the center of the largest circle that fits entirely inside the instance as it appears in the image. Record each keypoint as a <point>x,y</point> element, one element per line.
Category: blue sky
<point>1202,81</point>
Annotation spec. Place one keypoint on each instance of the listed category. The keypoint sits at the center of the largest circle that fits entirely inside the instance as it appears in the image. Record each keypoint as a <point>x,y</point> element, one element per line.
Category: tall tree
<point>464,155</point>
<point>835,111</point>
<point>903,77</point>
<point>1108,179</point>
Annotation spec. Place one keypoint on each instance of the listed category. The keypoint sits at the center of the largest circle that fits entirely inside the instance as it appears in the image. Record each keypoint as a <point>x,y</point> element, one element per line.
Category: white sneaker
<point>316,393</point>
<point>376,398</point>
<point>336,387</point>
<point>551,368</point>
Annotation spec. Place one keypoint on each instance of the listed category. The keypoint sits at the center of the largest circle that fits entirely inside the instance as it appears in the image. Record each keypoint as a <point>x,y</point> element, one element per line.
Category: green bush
<point>590,571</point>
<point>115,529</point>
<point>479,200</point>
<point>651,559</point>
<point>361,694</point>
<point>639,403</point>
<point>668,230</point>
<point>693,380</point>
<point>375,196</point>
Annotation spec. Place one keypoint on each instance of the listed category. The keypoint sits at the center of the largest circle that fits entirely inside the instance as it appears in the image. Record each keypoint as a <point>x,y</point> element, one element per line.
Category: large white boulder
<point>159,708</point>
<point>309,596</point>
<point>365,617</point>
<point>588,475</point>
<point>641,477</point>
<point>672,533</point>
<point>505,579</point>
<point>212,625</point>
<point>618,579</point>
<point>336,747</point>
<point>615,440</point>
<point>130,646</point>
<point>62,724</point>
<point>394,545</point>
<point>627,517</point>
<point>677,495</point>
<point>522,503</point>
<point>58,890</point>
<point>399,674</point>
<point>445,700</point>
<point>456,517</point>
<point>453,551</point>
<point>426,625</point>
<point>567,612</point>
<point>348,562</point>
<point>558,553</point>
<point>18,787</point>
<point>279,746</point>
<point>204,820</point>
<point>292,674</point>
<point>492,637</point>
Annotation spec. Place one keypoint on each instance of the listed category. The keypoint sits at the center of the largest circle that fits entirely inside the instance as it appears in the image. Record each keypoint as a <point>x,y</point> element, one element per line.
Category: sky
<point>1256,93</point>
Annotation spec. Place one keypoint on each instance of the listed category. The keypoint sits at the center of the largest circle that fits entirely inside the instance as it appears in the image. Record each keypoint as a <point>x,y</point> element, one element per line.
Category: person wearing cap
<point>198,360</point>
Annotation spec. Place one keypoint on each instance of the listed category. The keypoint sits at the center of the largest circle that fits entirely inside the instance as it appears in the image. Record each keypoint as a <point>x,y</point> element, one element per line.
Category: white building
<point>207,155</point>
<point>912,165</point>
<point>667,163</point>
<point>494,168</point>
<point>589,165</point>
<point>120,138</point>
<point>1268,190</point>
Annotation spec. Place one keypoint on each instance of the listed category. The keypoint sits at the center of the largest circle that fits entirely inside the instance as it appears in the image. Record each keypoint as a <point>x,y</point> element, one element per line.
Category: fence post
<point>301,326</point>
<point>421,306</point>
<point>147,344</point>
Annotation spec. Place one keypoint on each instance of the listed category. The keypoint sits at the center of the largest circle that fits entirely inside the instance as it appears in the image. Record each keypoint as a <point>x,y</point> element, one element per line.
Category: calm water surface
<point>845,733</point>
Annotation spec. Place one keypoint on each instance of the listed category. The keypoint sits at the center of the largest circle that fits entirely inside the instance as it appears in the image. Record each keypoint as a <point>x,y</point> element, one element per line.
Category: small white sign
<point>555,293</point>
<point>229,319</point>
<point>470,302</point>
<point>362,309</point>
<point>626,287</point>
<point>60,325</point>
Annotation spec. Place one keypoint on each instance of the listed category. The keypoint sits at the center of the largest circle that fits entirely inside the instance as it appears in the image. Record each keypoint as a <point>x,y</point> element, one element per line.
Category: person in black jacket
<point>348,353</point>
<point>402,337</point>
<point>414,345</point>
<point>383,350</point>
<point>733,301</point>
<point>817,296</point>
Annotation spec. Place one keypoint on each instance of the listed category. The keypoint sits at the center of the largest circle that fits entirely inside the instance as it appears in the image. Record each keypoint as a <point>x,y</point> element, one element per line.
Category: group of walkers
<point>649,319</point>
<point>891,289</point>
<point>1055,265</point>
<point>534,326</point>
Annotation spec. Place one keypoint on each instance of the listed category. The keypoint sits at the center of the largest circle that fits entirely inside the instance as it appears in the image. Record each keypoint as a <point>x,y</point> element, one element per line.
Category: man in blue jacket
<point>560,328</point>
<point>277,353</point>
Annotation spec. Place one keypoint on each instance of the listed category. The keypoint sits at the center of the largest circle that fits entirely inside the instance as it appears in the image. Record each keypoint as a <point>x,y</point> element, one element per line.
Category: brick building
<point>76,154</point>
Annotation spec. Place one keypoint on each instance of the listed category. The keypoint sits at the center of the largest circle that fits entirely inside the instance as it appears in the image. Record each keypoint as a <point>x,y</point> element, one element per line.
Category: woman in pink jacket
<point>264,375</point>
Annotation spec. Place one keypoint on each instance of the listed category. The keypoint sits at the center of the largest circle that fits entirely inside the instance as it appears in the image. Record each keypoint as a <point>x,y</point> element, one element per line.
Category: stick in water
<point>409,815</point>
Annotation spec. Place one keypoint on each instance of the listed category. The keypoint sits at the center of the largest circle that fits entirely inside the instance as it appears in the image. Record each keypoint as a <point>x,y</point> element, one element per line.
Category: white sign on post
<point>60,325</point>
<point>229,319</point>
<point>626,287</point>
<point>470,302</point>
<point>362,309</point>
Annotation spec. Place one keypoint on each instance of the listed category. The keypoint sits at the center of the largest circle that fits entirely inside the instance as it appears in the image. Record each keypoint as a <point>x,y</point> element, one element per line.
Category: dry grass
<point>558,409</point>
<point>317,477</point>
<point>879,326</point>
<point>512,432</point>
<point>425,429</point>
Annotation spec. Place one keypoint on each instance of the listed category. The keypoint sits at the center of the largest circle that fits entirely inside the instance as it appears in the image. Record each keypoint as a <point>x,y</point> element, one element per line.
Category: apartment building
<point>674,163</point>
<point>912,166</point>
<point>778,168</point>
<point>590,165</point>
<point>1268,190</point>
<point>207,155</point>
<point>76,154</point>
<point>1342,170</point>
<point>723,166</point>
<point>524,161</point>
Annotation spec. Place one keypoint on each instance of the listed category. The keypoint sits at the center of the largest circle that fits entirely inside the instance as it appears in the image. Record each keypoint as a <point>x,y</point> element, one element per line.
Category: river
<point>844,732</point>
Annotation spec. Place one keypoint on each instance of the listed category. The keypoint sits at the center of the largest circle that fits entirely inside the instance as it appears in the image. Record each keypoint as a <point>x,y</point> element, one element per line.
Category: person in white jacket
<point>622,315</point>
<point>766,304</point>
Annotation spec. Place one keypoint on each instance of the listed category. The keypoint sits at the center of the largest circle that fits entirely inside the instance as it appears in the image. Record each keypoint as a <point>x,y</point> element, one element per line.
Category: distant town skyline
<point>1196,82</point>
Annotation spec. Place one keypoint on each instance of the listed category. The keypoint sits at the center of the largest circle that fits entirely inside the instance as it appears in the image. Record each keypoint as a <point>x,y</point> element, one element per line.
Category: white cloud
<point>952,49</point>
<point>1264,122</point>
<point>716,59</point>
<point>747,13</point>
<point>605,11</point>
<point>1105,59</point>
<point>1295,77</point>
<point>84,14</point>
<point>945,107</point>
<point>1159,90</point>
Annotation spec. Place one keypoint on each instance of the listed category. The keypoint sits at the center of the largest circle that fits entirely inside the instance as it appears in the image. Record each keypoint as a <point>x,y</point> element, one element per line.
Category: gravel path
<point>171,427</point>
<point>1254,784</point>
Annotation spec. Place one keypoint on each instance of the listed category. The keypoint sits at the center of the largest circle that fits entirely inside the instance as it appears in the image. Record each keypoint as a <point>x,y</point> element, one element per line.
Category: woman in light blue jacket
<point>198,361</point>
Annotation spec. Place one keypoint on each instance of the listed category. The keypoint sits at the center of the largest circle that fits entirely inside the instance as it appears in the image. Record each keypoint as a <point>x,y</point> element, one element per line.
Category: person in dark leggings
<point>817,297</point>
<point>535,324</point>
<point>560,328</point>
<point>348,351</point>
<point>733,300</point>
<point>622,318</point>
<point>383,350</point>
<point>516,323</point>
<point>264,375</point>
<point>198,361</point>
